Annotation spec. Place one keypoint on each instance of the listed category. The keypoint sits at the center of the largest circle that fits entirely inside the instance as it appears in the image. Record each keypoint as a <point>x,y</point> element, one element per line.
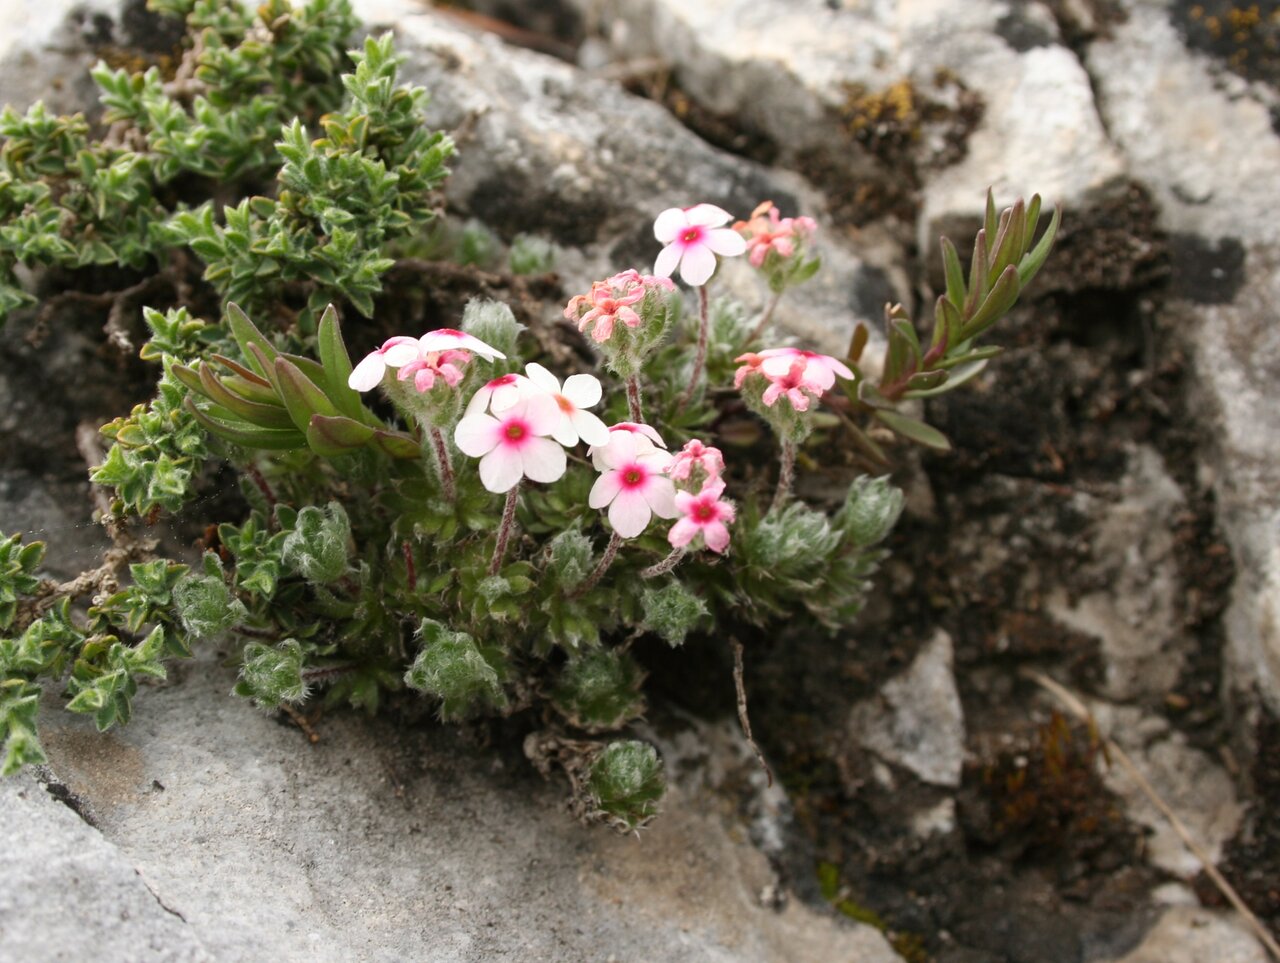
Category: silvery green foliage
<point>673,611</point>
<point>271,675</point>
<point>70,198</point>
<point>626,782</point>
<point>599,690</point>
<point>317,548</point>
<point>204,603</point>
<point>451,667</point>
<point>571,557</point>
<point>871,509</point>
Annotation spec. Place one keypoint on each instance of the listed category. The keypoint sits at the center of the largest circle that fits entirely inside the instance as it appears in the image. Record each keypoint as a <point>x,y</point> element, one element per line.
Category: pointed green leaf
<point>264,416</point>
<point>1032,263</point>
<point>246,334</point>
<point>914,430</point>
<point>246,435</point>
<point>958,376</point>
<point>300,394</point>
<point>396,444</point>
<point>337,368</point>
<point>954,272</point>
<point>1003,296</point>
<point>337,435</point>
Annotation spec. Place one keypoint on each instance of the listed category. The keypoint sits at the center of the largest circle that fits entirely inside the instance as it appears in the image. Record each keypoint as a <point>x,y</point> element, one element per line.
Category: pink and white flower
<point>821,369</point>
<point>696,457</point>
<point>580,391</point>
<point>795,384</point>
<point>498,394</point>
<point>633,485</point>
<point>394,352</point>
<point>767,230</point>
<point>443,365</point>
<point>443,339</point>
<point>693,237</point>
<point>704,514</point>
<point>751,364</point>
<point>515,444</point>
<point>645,437</point>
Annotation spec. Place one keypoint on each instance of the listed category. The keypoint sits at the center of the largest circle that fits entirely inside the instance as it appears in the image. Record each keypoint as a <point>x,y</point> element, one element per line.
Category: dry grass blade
<point>1118,756</point>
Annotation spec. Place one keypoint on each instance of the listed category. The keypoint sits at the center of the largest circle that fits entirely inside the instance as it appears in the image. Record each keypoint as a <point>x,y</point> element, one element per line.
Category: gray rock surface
<point>590,165</point>
<point>390,843</point>
<point>68,894</point>
<point>916,720</point>
<point>1202,141</point>
<point>1193,935</point>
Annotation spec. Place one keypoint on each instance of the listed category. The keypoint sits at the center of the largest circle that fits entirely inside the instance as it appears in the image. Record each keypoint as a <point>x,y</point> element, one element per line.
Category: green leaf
<point>337,368</point>
<point>954,273</point>
<point>1003,296</point>
<point>916,431</point>
<point>337,435</point>
<point>301,395</point>
<point>247,334</point>
<point>247,435</point>
<point>1032,263</point>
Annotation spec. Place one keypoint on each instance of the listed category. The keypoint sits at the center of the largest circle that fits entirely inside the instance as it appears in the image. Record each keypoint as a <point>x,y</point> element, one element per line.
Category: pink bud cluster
<point>768,231</point>
<point>612,300</point>
<point>799,376</point>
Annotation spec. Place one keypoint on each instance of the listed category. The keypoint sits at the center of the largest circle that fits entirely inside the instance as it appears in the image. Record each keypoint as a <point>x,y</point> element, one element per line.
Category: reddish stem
<point>665,566</point>
<point>610,553</point>
<point>786,474</point>
<point>444,464</point>
<point>411,570</point>
<point>633,399</point>
<point>504,530</point>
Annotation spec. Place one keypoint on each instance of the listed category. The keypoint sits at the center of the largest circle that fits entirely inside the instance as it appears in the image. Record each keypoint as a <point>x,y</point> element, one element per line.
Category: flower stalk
<point>444,463</point>
<point>665,566</point>
<point>504,529</point>
<point>610,553</point>
<point>786,475</point>
<point>633,399</point>
<point>700,354</point>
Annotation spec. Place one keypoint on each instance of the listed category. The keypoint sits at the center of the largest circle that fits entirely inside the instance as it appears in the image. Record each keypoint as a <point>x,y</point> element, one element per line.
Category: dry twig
<point>1076,706</point>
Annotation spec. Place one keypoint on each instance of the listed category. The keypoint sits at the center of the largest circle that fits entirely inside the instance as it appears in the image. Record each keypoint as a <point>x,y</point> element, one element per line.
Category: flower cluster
<point>768,232</point>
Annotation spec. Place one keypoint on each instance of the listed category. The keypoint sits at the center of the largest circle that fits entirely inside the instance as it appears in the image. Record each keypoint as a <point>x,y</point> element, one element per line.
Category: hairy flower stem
<point>700,356</point>
<point>764,318</point>
<point>610,553</point>
<point>633,399</point>
<point>786,474</point>
<point>665,566</point>
<point>444,464</point>
<point>504,530</point>
<point>411,572</point>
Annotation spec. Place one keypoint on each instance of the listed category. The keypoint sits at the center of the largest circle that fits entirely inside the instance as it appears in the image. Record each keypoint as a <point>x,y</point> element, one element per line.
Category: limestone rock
<point>916,721</point>
<point>391,843</point>
<point>1187,934</point>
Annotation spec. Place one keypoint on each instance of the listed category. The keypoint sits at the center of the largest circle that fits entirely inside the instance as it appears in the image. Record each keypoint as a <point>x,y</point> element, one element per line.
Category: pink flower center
<point>452,331</point>
<point>515,431</point>
<point>704,512</point>
<point>633,476</point>
<point>691,236</point>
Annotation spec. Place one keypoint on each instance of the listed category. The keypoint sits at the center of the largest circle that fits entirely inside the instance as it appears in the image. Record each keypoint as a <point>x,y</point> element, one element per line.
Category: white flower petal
<point>542,378</point>
<point>583,390</point>
<point>667,260</point>
<point>655,459</point>
<point>590,428</point>
<point>660,493</point>
<point>726,242</point>
<point>708,215</point>
<point>668,224</point>
<point>621,449</point>
<point>629,513</point>
<point>565,433</point>
<point>697,265</point>
<point>501,469</point>
<point>368,373</point>
<point>540,411</point>
<point>400,354</point>
<point>543,460</point>
<point>605,489</point>
<point>477,435</point>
